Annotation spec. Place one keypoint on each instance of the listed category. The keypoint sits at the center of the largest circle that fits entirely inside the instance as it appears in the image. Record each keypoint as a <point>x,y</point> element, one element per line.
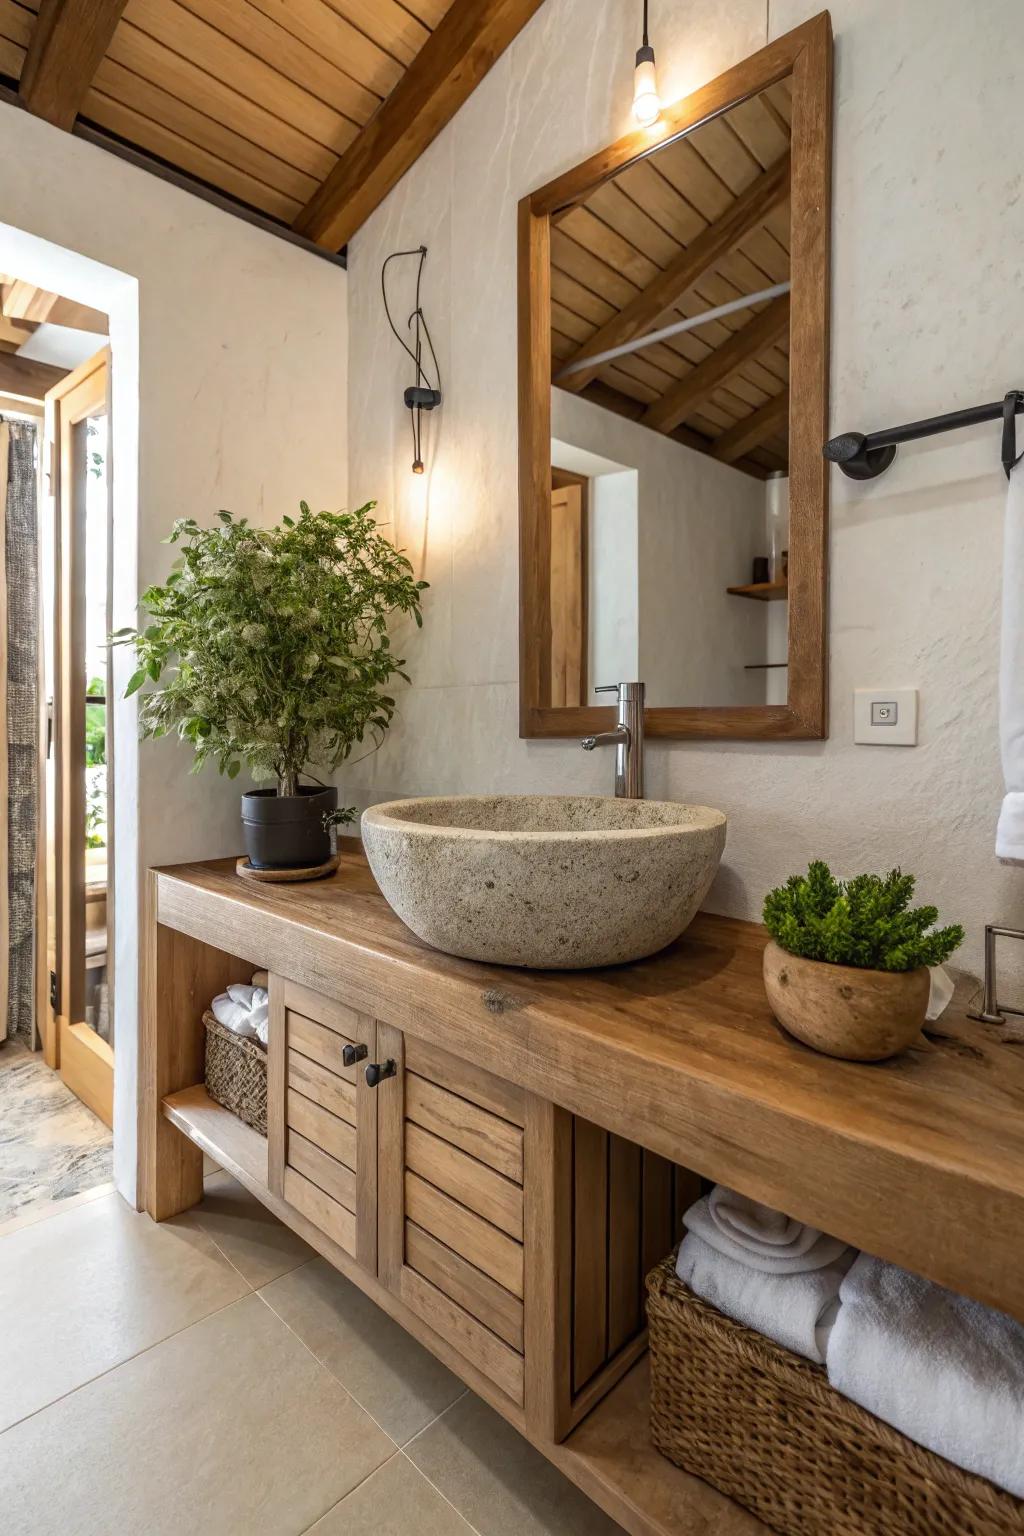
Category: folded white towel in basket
<point>945,1371</point>
<point>795,1310</point>
<point>756,1235</point>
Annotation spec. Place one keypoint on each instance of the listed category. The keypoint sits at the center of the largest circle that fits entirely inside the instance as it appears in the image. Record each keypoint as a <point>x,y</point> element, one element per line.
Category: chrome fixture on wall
<point>627,739</point>
<point>421,395</point>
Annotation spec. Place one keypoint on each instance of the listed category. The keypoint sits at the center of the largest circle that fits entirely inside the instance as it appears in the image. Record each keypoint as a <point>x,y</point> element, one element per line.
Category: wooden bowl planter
<point>843,1010</point>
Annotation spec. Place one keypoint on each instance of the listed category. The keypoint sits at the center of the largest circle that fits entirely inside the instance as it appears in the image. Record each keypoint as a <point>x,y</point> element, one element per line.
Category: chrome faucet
<point>627,739</point>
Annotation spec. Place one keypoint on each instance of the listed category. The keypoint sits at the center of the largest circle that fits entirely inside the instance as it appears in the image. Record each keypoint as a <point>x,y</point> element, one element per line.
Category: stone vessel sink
<point>546,881</point>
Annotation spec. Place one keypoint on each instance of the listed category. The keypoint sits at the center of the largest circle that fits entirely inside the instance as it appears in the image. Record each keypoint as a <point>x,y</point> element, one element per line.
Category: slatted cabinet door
<point>322,1115</point>
<point>451,1202</point>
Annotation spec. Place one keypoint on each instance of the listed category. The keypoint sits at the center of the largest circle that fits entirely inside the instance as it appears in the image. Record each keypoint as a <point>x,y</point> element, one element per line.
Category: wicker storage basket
<point>236,1073</point>
<point>765,1427</point>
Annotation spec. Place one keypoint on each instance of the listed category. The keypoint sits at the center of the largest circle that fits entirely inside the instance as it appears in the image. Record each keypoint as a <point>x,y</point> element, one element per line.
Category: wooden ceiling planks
<point>617,253</point>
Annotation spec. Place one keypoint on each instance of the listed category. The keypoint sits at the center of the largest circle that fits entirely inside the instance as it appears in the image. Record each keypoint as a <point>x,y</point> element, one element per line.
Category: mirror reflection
<point>670,296</point>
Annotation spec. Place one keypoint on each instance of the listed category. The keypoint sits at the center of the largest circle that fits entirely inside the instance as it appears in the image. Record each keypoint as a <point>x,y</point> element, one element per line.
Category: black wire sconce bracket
<point>866,457</point>
<point>422,395</point>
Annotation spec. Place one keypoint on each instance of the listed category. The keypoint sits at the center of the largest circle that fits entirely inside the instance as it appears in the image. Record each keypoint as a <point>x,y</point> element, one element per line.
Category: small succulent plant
<point>867,921</point>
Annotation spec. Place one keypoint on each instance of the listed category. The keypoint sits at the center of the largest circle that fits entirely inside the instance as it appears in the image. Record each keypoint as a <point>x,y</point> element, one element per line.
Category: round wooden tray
<point>283,876</point>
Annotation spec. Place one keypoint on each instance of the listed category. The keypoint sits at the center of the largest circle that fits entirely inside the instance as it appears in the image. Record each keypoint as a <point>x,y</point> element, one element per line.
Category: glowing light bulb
<point>417,466</point>
<point>646,101</point>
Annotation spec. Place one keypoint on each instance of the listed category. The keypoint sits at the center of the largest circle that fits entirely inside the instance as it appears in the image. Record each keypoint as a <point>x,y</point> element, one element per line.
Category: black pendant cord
<point>647,41</point>
<point>418,324</point>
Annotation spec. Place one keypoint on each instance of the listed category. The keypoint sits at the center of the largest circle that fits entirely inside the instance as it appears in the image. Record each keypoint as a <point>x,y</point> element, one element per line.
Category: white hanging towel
<point>1010,831</point>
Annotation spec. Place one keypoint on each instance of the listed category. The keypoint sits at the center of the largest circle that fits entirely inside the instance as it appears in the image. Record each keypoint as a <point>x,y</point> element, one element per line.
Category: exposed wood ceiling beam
<point>760,333</point>
<point>753,429</point>
<point>448,68</point>
<point>613,399</point>
<point>650,307</point>
<point>23,376</point>
<point>21,301</point>
<point>68,41</point>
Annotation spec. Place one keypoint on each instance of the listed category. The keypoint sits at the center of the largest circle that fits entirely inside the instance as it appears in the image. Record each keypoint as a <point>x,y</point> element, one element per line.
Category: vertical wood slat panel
<point>625,1280</point>
<point>590,1254</point>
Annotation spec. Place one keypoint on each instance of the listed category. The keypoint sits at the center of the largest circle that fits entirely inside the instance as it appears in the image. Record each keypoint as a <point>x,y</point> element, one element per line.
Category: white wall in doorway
<point>229,390</point>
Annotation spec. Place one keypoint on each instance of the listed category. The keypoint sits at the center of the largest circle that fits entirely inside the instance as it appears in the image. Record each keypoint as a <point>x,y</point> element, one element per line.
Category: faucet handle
<point>625,691</point>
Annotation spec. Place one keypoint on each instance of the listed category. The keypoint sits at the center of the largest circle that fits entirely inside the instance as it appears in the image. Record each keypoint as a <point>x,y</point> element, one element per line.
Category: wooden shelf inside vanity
<point>677,1055</point>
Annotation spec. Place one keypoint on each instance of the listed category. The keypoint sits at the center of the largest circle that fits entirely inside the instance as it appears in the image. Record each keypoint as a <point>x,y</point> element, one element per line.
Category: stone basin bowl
<point>546,881</point>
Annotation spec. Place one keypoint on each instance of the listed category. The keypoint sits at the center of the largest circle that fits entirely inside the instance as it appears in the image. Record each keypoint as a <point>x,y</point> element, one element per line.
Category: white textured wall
<point>699,526</point>
<point>229,350</point>
<point>928,315</point>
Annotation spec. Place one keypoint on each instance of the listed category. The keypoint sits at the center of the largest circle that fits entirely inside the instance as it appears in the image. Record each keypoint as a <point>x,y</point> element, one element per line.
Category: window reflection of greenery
<point>95,757</point>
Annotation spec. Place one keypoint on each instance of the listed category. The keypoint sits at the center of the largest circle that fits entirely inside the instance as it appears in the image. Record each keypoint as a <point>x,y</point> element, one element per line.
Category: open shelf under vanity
<point>504,1188</point>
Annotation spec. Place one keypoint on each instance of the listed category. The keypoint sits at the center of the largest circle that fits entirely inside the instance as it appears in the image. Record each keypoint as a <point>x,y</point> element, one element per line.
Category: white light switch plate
<point>885,717</point>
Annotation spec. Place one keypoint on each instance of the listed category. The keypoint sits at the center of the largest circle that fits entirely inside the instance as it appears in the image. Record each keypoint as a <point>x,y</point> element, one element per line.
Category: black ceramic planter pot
<point>287,831</point>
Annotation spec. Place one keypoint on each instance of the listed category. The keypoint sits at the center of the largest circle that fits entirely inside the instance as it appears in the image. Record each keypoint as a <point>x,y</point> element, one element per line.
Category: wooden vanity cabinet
<point>515,1231</point>
<point>322,1115</point>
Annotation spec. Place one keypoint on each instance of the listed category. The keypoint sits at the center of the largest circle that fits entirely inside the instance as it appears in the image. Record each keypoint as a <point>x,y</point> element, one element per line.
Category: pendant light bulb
<point>646,101</point>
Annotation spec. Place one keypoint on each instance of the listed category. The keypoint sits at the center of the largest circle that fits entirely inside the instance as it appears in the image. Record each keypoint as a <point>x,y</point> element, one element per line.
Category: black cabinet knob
<point>378,1070</point>
<point>352,1053</point>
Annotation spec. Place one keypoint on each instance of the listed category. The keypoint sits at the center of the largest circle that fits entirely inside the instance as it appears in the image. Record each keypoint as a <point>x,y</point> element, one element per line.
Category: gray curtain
<point>21,686</point>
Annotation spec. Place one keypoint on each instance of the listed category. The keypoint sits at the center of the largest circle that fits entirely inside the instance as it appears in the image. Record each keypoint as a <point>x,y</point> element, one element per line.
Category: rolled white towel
<point>247,996</point>
<point>758,1236</point>
<point>232,1015</point>
<point>259,1022</point>
<point>945,1371</point>
<point>796,1310</point>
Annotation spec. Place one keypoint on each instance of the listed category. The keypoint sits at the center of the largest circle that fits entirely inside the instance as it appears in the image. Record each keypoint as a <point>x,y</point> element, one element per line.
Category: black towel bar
<point>865,457</point>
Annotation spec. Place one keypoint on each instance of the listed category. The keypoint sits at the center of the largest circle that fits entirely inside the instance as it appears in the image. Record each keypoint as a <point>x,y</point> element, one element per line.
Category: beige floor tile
<point>392,1376</point>
<point>246,1232</point>
<point>85,1290</point>
<point>230,1428</point>
<point>498,1482</point>
<point>396,1501</point>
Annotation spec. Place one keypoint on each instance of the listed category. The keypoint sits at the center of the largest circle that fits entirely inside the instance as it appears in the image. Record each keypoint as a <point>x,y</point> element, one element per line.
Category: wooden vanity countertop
<point>919,1160</point>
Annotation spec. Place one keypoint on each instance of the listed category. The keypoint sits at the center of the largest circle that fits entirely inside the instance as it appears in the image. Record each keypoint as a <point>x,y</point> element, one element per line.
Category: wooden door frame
<point>805,54</point>
<point>86,1062</point>
<point>561,478</point>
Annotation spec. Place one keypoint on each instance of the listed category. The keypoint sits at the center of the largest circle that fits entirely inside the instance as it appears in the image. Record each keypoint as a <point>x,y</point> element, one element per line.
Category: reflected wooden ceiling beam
<point>24,376</point>
<point>613,399</point>
<point>24,302</point>
<point>469,39</point>
<point>760,333</point>
<point>649,308</point>
<point>754,429</point>
<point>68,41</point>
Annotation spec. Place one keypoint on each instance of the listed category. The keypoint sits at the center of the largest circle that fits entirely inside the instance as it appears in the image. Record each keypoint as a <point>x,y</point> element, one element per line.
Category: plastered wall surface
<point>928,315</point>
<point>229,351</point>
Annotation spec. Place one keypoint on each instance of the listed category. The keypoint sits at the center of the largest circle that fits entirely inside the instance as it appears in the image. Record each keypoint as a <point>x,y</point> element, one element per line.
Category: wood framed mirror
<point>673,364</point>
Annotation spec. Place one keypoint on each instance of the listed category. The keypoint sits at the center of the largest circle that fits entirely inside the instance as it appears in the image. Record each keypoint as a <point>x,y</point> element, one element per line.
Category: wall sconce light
<point>421,395</point>
<point>646,101</point>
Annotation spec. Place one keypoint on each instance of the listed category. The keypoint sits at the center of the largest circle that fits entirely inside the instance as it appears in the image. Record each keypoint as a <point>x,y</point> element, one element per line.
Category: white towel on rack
<point>945,1371</point>
<point>1010,831</point>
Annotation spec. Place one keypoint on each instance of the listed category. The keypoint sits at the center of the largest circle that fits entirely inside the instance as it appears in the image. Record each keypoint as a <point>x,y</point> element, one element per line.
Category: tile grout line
<point>430,1482</point>
<point>136,1355</point>
<point>348,1389</point>
<point>355,1486</point>
<point>324,1366</point>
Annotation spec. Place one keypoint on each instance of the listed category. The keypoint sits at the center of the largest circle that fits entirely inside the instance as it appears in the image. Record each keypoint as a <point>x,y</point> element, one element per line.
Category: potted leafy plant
<point>847,971</point>
<point>271,647</point>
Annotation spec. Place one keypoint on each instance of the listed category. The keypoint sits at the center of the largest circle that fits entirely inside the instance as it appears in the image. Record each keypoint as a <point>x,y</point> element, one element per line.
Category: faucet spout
<point>605,739</point>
